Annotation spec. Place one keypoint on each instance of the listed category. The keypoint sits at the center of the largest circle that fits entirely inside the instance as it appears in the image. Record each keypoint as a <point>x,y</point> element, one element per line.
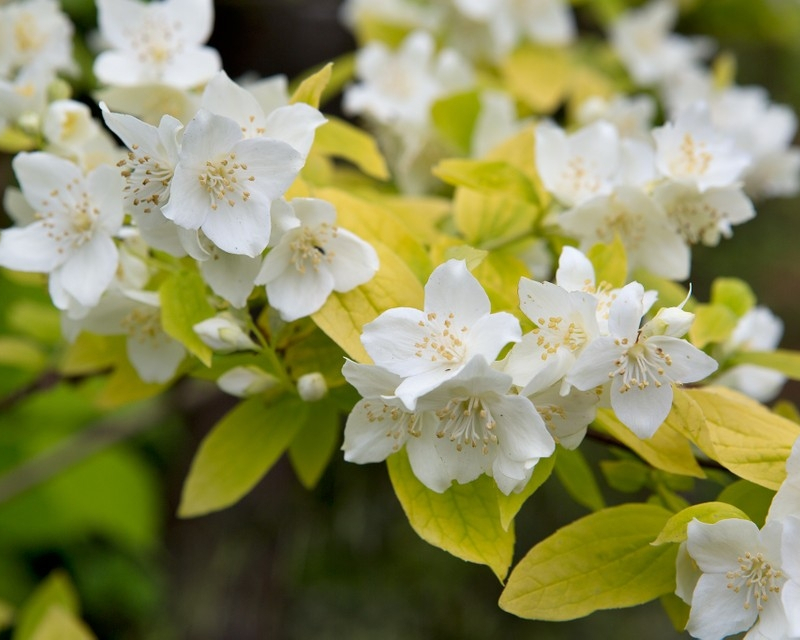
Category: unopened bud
<point>246,381</point>
<point>224,335</point>
<point>312,386</point>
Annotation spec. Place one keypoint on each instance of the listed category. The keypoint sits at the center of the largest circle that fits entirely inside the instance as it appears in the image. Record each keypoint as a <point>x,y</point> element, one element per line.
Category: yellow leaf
<point>420,215</point>
<point>783,360</point>
<point>511,504</point>
<point>90,353</point>
<point>667,450</point>
<point>708,512</point>
<point>60,624</point>
<point>712,323</point>
<point>487,176</point>
<point>488,220</point>
<point>610,262</point>
<point>538,76</point>
<point>602,561</point>
<point>464,520</point>
<point>310,90</point>
<point>344,315</point>
<point>342,140</point>
<point>747,438</point>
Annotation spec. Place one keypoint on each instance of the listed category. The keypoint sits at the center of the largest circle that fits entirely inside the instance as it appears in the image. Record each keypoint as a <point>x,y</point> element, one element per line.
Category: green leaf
<point>708,512</point>
<point>712,323</point>
<point>310,90</point>
<point>487,176</point>
<point>751,498</point>
<point>539,76</point>
<point>464,520</point>
<point>511,504</point>
<point>316,442</point>
<point>341,139</point>
<point>602,561</point>
<point>610,262</point>
<point>576,475</point>
<point>667,450</point>
<point>627,476</point>
<point>55,591</point>
<point>21,353</point>
<point>124,386</point>
<point>59,624</point>
<point>454,117</point>
<point>783,360</point>
<point>745,437</point>
<point>238,451</point>
<point>734,294</point>
<point>183,305</point>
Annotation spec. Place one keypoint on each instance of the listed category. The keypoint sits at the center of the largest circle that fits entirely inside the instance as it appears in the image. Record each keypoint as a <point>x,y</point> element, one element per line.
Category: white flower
<point>224,183</point>
<point>567,417</point>
<point>157,42</point>
<point>741,582</point>
<point>72,235</point>
<point>481,429</point>
<point>466,427</point>
<point>640,366</point>
<point>294,124</point>
<point>691,149</point>
<point>35,34</point>
<point>643,40</point>
<point>496,121</point>
<point>428,347</point>
<point>578,166</point>
<point>137,315</point>
<point>757,330</point>
<point>631,115</point>
<point>312,258</point>
<point>566,322</point>
<point>703,216</point>
<point>649,238</point>
<point>399,87</point>
<point>68,125</point>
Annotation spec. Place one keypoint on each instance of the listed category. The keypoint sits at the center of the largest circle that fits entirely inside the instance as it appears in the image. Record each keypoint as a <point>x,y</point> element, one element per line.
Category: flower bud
<point>312,386</point>
<point>246,381</point>
<point>224,335</point>
<point>669,321</point>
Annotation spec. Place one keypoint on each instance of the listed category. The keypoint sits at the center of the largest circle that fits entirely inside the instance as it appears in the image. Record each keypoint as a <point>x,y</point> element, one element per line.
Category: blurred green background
<point>340,561</point>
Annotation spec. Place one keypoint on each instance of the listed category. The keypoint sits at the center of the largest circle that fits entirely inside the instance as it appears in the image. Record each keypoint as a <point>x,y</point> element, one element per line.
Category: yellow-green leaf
<point>576,475</point>
<point>602,561</point>
<point>539,76</point>
<point>667,450</point>
<point>488,220</point>
<point>13,140</point>
<point>747,438</point>
<point>315,443</point>
<point>783,360</point>
<point>511,504</point>
<point>90,353</point>
<point>344,315</point>
<point>21,353</point>
<point>708,512</point>
<point>487,176</point>
<point>712,323</point>
<point>341,139</point>
<point>183,305</point>
<point>238,451</point>
<point>310,90</point>
<point>55,591</point>
<point>60,624</point>
<point>454,117</point>
<point>610,262</point>
<point>464,520</point>
<point>125,386</point>
<point>676,609</point>
<point>734,294</point>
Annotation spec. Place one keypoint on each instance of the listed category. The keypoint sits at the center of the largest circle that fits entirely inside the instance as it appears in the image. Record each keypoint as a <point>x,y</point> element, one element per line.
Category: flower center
<point>579,180</point>
<point>308,248</point>
<point>758,578</point>
<point>147,180</point>
<point>639,365</point>
<point>468,422</point>
<point>398,422</point>
<point>71,222</point>
<point>553,333</point>
<point>224,179</point>
<point>693,158</point>
<point>27,36</point>
<point>156,41</point>
<point>442,342</point>
<point>143,324</point>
